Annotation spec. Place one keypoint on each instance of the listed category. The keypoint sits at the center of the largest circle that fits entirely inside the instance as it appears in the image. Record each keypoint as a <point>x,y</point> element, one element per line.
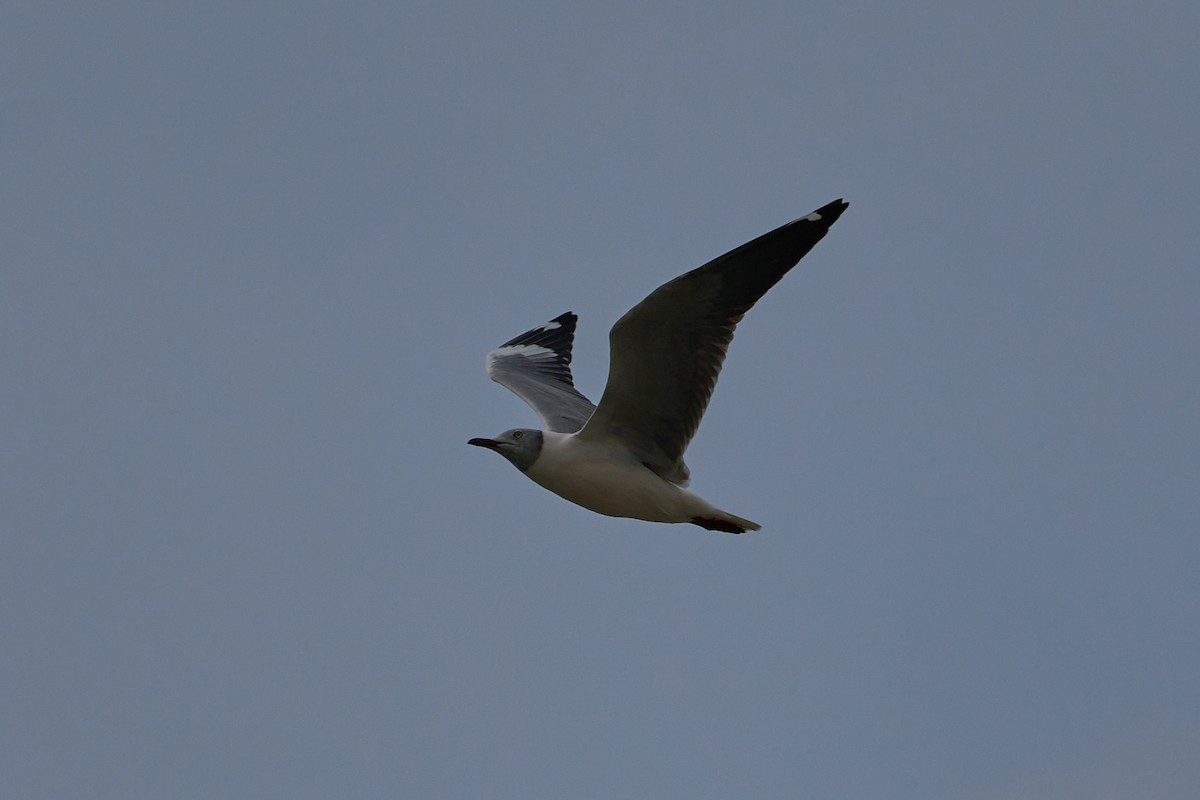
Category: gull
<point>624,457</point>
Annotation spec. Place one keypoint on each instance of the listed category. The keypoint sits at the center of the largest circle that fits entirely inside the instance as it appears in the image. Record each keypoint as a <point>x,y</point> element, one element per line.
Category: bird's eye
<point>517,434</point>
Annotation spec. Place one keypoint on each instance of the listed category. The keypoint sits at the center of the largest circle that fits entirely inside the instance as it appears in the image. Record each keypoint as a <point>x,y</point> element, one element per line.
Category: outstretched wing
<point>536,367</point>
<point>667,351</point>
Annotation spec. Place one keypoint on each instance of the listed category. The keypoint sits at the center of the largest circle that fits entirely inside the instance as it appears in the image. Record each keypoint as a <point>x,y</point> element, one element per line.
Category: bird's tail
<point>725,523</point>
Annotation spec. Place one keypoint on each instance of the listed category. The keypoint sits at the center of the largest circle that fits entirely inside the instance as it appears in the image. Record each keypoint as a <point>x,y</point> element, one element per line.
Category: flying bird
<point>624,457</point>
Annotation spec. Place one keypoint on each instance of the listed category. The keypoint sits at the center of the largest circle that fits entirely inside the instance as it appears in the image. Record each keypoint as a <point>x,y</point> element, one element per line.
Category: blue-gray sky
<point>253,255</point>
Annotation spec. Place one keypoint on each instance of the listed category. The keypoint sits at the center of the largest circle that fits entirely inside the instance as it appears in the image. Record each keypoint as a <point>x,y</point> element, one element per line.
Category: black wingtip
<point>555,334</point>
<point>558,336</point>
<point>714,524</point>
<point>828,213</point>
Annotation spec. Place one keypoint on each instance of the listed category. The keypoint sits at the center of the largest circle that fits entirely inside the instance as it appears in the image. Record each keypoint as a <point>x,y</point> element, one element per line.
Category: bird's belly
<point>615,488</point>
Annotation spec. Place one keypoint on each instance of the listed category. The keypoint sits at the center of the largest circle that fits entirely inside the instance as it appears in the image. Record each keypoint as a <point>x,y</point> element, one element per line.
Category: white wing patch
<point>515,354</point>
<point>533,351</point>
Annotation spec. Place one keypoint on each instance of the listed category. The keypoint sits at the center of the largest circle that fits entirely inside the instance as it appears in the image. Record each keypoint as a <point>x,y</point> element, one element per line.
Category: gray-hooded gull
<point>624,457</point>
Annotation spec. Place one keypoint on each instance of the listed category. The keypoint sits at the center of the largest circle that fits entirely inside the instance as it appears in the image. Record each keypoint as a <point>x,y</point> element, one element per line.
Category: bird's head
<point>521,446</point>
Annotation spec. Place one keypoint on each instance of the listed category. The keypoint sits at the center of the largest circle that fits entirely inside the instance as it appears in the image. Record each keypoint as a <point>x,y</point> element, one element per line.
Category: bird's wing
<point>667,351</point>
<point>536,367</point>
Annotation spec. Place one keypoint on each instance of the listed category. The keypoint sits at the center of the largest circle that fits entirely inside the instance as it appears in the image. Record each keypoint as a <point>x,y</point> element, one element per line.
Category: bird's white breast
<point>610,480</point>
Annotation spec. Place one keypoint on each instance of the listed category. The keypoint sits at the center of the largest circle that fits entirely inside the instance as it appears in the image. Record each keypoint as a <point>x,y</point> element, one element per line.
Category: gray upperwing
<point>536,367</point>
<point>667,351</point>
